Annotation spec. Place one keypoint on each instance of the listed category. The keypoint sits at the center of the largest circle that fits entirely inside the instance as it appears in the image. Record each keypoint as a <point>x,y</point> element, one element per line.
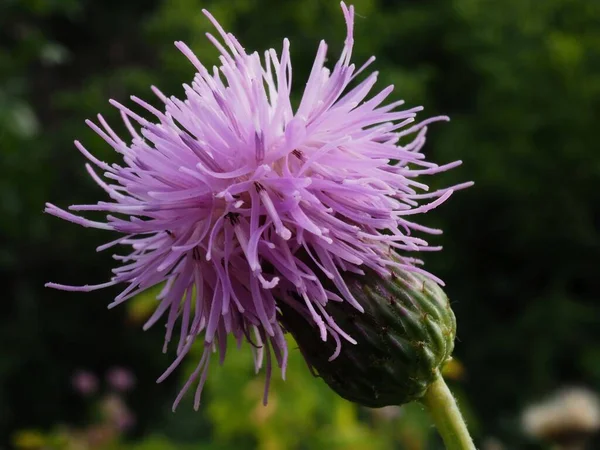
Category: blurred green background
<point>521,82</point>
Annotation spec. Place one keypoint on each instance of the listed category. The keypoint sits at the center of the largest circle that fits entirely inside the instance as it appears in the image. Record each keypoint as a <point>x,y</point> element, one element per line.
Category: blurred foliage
<point>521,81</point>
<point>301,412</point>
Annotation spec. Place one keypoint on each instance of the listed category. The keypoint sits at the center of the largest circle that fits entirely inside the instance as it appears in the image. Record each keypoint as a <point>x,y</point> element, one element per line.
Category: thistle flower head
<point>239,203</point>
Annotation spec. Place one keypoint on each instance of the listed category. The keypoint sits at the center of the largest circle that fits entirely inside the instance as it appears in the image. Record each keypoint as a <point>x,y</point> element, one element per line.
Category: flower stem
<point>447,417</point>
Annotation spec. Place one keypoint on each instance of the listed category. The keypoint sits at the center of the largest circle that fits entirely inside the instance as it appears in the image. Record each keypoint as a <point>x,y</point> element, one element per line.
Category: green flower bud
<point>404,336</point>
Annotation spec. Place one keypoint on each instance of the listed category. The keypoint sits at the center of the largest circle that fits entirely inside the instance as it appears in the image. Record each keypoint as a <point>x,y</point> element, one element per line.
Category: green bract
<point>404,336</point>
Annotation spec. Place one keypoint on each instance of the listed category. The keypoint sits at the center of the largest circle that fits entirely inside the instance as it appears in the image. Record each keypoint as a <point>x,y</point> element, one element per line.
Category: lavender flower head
<point>238,203</point>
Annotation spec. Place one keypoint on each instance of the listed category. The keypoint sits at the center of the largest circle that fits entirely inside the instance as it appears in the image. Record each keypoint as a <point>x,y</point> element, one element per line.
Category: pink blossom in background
<point>120,379</point>
<point>84,382</point>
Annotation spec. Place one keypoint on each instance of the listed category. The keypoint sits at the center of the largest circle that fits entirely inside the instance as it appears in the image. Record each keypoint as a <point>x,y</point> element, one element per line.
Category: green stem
<point>447,417</point>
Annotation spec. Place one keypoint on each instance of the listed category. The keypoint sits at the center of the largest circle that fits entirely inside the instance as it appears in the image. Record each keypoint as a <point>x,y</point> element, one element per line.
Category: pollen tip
<point>285,234</point>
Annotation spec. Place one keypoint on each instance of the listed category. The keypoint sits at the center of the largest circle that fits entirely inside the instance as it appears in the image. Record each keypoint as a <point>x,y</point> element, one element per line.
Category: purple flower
<point>84,382</point>
<point>237,203</point>
<point>120,379</point>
